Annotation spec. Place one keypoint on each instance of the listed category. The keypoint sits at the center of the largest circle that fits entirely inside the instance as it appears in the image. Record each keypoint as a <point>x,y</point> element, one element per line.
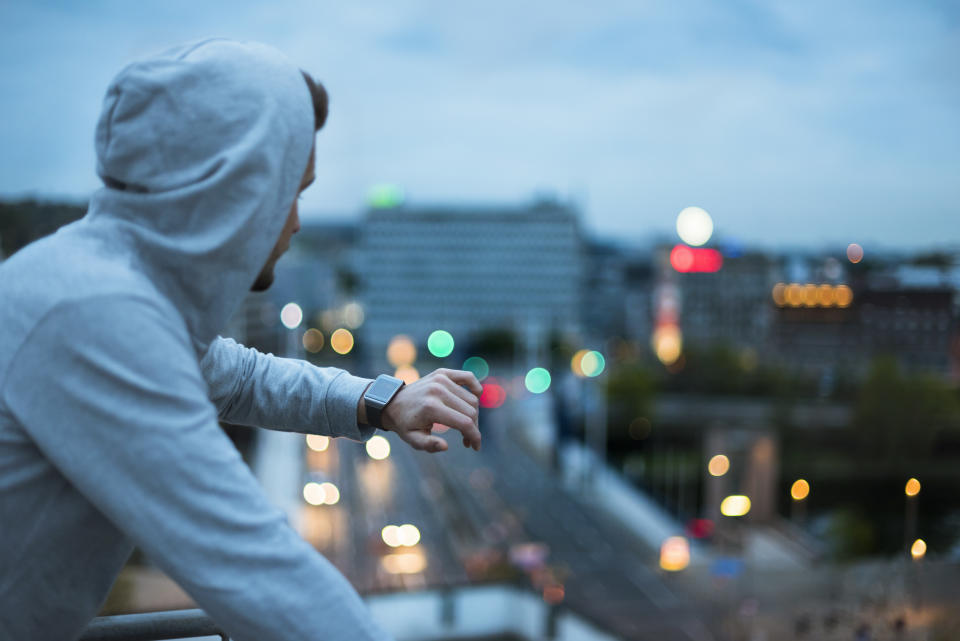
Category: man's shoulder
<point>65,267</point>
<point>55,278</point>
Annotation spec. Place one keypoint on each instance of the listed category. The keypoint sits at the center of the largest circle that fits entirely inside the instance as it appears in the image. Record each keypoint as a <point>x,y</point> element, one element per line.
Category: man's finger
<point>460,422</point>
<point>468,397</point>
<point>468,379</point>
<point>426,442</point>
<point>454,401</point>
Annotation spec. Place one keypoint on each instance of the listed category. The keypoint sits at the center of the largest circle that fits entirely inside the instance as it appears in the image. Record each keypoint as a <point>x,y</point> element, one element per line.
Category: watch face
<point>381,389</point>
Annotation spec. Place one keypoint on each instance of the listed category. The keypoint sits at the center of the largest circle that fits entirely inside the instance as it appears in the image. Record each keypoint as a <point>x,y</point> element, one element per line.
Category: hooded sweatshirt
<point>112,376</point>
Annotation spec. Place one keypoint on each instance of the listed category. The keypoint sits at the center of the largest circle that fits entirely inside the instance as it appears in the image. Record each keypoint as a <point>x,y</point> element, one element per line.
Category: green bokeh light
<point>478,366</point>
<point>440,343</point>
<point>593,363</point>
<point>538,380</point>
<point>385,196</point>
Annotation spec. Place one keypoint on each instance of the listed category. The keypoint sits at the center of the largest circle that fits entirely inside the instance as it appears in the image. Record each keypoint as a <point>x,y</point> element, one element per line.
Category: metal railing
<point>153,626</point>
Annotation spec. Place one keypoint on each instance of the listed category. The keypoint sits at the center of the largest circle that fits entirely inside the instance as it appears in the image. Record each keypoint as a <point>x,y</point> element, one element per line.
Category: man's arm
<point>114,399</point>
<point>252,388</point>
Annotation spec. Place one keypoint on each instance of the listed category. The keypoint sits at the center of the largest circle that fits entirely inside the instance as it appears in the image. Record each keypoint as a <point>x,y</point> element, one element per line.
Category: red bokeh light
<point>493,394</point>
<point>689,260</point>
<point>700,528</point>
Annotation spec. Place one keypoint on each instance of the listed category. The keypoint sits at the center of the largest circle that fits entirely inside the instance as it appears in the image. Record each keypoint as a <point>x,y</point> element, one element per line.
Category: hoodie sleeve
<point>252,388</point>
<point>120,408</point>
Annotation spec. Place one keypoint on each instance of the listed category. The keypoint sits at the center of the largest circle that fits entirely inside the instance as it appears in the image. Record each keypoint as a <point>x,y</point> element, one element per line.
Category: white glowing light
<point>694,226</point>
<point>291,315</point>
<point>378,448</point>
<point>331,495</point>
<point>391,536</point>
<point>318,443</point>
<point>314,494</point>
<point>735,505</point>
<point>409,534</point>
<point>353,315</point>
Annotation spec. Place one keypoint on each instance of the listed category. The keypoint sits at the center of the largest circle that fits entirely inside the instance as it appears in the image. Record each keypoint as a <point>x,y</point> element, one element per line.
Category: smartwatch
<point>378,395</point>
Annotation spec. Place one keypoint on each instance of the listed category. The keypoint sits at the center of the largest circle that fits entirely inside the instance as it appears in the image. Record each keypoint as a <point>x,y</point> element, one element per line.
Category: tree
<point>898,417</point>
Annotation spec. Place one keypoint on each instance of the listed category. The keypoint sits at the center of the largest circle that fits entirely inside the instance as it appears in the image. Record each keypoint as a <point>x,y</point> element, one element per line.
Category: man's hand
<point>450,397</point>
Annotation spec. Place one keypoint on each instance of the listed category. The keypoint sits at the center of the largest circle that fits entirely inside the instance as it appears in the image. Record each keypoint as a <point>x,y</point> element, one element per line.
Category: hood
<point>202,149</point>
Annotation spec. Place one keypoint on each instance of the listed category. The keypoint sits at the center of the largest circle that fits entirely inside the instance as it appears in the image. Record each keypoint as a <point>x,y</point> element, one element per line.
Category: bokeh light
<point>331,495</point>
<point>312,340</point>
<point>592,363</point>
<point>318,443</point>
<point>667,343</point>
<point>918,550</point>
<point>675,554</point>
<point>854,253</point>
<point>391,536</point>
<point>353,315</point>
<point>493,395</point>
<point>794,295</point>
<point>809,295</point>
<point>800,490</point>
<point>553,594</point>
<point>401,351</point>
<point>825,296</point>
<point>735,505</point>
<point>537,380</point>
<point>912,488</point>
<point>844,296</point>
<point>779,294</point>
<point>440,343</point>
<point>681,258</point>
<point>291,315</point>
<point>689,260</point>
<point>694,226</point>
<point>313,493</point>
<point>719,465</point>
<point>576,363</point>
<point>341,341</point>
<point>385,196</point>
<point>409,535</point>
<point>478,366</point>
<point>378,448</point>
<point>408,374</point>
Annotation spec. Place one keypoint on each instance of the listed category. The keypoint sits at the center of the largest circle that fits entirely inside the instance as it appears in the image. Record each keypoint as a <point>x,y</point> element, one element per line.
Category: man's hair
<point>320,100</point>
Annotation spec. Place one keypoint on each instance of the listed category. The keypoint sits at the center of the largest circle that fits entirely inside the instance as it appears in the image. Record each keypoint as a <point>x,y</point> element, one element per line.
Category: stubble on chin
<point>264,279</point>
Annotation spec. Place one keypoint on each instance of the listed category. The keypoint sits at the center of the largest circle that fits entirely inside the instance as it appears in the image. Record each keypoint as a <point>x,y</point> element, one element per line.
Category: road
<point>474,512</point>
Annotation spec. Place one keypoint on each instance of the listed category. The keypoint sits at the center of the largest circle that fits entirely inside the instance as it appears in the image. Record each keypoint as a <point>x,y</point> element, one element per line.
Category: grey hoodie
<point>112,377</point>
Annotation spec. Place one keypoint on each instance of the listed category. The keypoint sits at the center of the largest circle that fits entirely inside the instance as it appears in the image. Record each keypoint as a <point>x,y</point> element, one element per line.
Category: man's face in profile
<point>292,226</point>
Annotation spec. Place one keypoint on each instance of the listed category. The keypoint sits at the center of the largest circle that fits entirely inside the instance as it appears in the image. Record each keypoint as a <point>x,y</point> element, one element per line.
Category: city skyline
<point>808,127</point>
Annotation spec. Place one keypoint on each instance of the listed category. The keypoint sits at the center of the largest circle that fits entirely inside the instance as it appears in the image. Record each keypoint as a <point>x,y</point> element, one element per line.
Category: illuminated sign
<point>688,260</point>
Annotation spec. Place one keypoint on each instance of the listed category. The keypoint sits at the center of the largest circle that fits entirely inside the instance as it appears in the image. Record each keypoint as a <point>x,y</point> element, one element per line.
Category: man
<point>112,376</point>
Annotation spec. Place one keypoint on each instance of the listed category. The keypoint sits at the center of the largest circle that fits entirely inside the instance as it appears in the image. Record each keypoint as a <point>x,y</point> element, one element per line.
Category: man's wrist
<point>362,407</point>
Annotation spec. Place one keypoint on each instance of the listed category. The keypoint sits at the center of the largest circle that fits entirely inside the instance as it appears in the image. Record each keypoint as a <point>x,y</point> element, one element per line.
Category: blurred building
<point>469,269</point>
<point>729,306</point>
<point>917,325</point>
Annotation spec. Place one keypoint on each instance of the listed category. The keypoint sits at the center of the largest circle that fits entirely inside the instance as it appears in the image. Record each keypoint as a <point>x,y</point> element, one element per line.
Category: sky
<point>812,124</point>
